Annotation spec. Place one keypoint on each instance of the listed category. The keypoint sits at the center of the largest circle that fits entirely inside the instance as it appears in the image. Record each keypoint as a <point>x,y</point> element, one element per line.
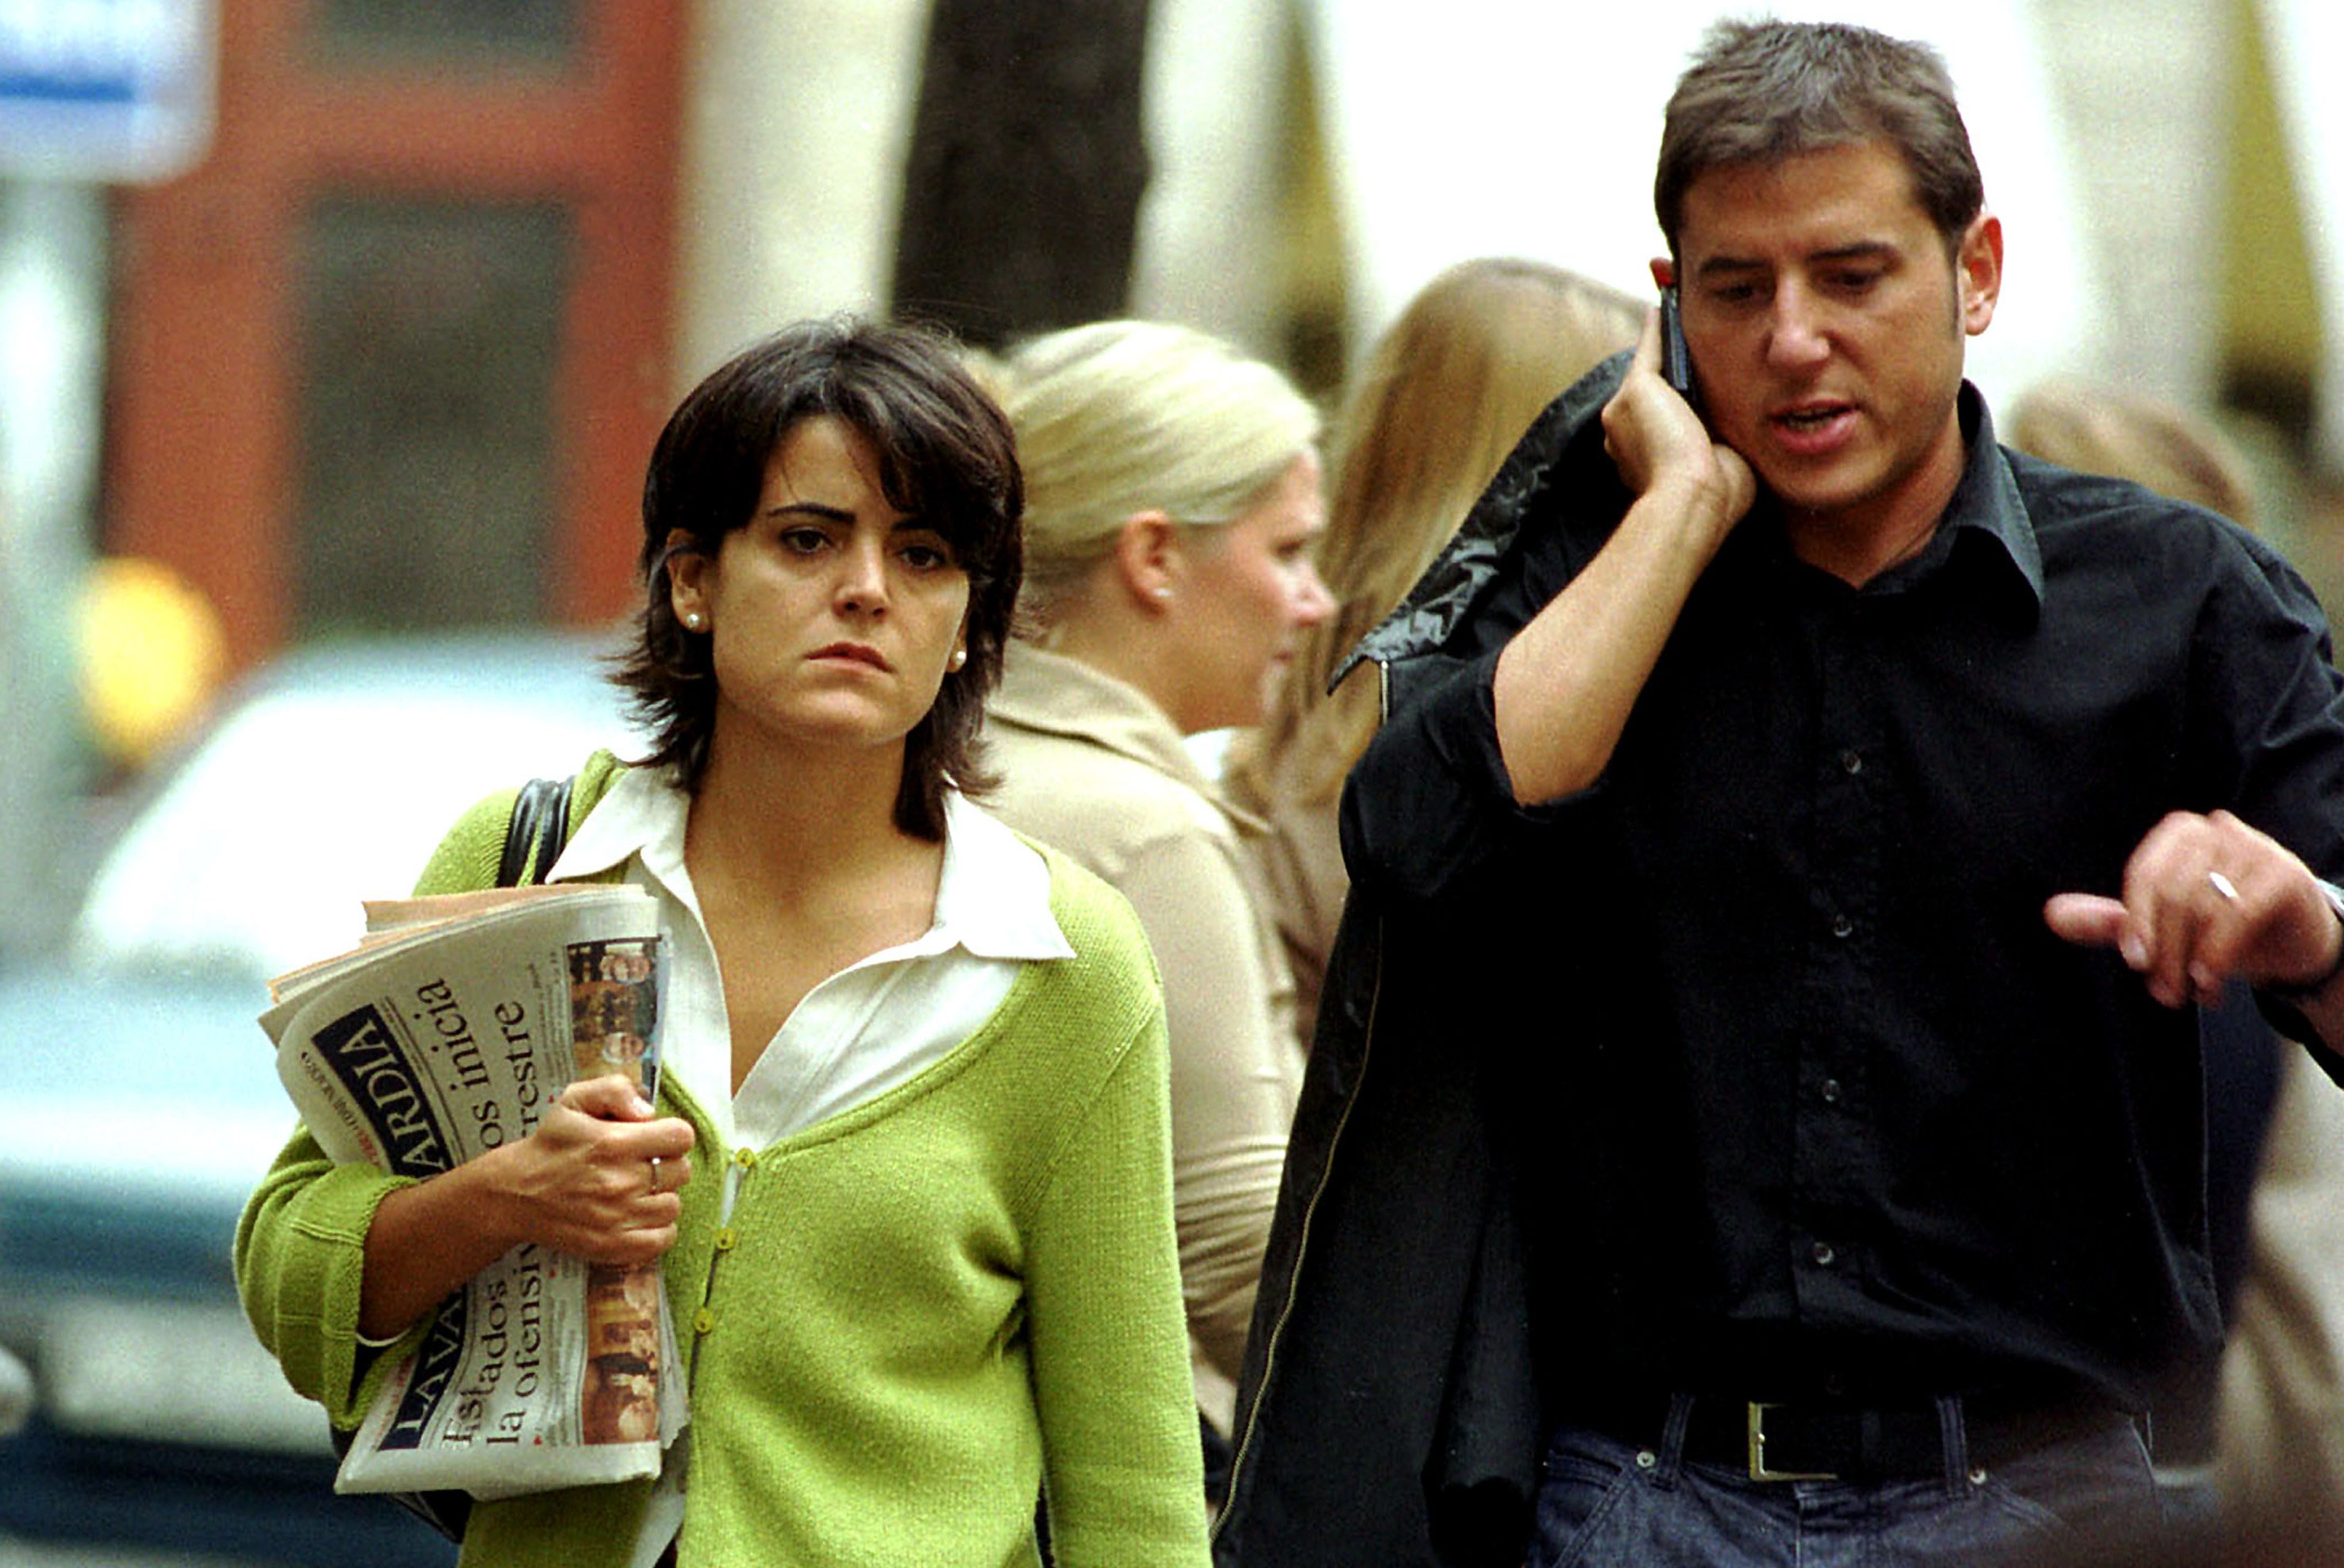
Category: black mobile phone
<point>1676,364</point>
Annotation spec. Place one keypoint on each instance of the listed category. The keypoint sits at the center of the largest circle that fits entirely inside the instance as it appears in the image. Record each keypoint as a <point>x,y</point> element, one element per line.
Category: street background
<point>347,324</point>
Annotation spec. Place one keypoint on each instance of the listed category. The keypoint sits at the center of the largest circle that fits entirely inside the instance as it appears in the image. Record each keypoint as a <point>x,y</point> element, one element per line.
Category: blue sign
<point>105,89</point>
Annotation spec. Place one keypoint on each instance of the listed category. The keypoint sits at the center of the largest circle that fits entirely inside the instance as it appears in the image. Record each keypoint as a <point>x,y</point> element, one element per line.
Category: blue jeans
<point>2088,1498</point>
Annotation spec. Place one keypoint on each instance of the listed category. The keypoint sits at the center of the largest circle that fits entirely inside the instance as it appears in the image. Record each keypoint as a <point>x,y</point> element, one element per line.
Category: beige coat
<point>1091,766</point>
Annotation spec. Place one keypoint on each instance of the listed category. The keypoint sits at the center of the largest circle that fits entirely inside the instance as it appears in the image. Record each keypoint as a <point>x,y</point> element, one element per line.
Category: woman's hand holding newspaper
<point>583,1182</point>
<point>598,1177</point>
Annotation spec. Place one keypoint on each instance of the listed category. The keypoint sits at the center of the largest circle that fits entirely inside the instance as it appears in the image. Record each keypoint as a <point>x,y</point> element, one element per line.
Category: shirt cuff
<point>2306,989</point>
<point>2281,1004</point>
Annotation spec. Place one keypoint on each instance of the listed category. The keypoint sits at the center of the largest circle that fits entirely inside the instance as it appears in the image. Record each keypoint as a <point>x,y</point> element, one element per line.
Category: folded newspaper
<point>445,1034</point>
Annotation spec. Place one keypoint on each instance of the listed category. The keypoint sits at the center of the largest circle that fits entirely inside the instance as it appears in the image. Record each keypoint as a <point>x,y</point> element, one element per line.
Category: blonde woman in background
<point>1173,503</point>
<point>1439,401</point>
<point>2100,429</point>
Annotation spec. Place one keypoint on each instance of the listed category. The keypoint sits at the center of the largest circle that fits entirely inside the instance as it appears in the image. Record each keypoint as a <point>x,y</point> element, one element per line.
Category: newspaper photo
<point>445,1034</point>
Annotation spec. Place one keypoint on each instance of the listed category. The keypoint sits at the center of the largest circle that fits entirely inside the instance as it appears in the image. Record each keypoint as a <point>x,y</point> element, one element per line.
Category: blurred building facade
<point>389,356</point>
<point>392,355</point>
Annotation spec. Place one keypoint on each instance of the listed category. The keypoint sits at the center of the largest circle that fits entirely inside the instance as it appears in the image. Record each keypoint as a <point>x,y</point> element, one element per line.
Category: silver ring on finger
<point>655,1175</point>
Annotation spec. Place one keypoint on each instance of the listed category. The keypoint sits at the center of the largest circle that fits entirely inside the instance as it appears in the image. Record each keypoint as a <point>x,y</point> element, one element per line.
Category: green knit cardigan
<point>920,1313</point>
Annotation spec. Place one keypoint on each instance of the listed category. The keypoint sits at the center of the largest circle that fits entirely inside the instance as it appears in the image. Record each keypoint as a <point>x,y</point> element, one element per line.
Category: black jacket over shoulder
<point>1388,1413</point>
<point>2070,658</point>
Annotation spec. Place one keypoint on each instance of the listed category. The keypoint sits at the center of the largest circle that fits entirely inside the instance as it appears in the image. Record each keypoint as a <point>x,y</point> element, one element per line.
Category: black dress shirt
<point>1811,1099</point>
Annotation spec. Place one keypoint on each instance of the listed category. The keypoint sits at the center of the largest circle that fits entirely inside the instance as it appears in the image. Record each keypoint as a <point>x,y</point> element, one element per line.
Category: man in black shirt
<point>1854,821</point>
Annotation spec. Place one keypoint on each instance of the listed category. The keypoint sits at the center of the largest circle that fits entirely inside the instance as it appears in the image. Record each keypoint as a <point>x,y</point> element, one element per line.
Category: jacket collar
<point>1053,694</point>
<point>1527,482</point>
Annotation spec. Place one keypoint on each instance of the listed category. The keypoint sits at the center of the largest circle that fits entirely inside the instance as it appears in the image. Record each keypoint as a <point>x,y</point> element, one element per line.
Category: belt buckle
<point>1758,1471</point>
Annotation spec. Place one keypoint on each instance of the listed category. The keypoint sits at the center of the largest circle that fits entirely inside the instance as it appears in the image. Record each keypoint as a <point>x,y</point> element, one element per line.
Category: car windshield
<point>327,782</point>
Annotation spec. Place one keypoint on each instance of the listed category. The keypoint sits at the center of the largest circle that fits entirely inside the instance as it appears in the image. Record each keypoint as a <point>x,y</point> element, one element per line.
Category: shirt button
<point>703,1320</point>
<point>1831,1092</point>
<point>1851,762</point>
<point>1821,1252</point>
<point>1842,926</point>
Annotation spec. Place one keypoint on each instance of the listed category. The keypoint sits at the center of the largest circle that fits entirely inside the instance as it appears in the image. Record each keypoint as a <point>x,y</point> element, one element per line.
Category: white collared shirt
<point>876,1024</point>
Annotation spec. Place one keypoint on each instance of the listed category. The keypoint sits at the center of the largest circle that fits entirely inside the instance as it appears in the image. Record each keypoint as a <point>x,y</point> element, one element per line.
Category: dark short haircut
<point>1761,92</point>
<point>946,454</point>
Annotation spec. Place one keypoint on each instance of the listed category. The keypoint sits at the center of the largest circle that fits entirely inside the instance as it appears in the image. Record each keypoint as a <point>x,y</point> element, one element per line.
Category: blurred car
<point>143,1097</point>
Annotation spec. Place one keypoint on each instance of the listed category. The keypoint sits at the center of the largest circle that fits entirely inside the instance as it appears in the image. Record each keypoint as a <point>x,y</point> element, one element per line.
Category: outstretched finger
<point>2087,920</point>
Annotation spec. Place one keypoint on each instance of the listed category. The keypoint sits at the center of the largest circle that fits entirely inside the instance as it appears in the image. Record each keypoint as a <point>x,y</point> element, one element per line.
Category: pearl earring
<point>959,658</point>
<point>691,620</point>
<point>1163,592</point>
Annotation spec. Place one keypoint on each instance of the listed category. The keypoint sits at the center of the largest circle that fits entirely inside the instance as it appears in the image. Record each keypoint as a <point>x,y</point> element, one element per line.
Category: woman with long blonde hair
<point>1438,404</point>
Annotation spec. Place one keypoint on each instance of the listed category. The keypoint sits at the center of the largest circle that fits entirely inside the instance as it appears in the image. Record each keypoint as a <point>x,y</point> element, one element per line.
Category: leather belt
<point>1827,1442</point>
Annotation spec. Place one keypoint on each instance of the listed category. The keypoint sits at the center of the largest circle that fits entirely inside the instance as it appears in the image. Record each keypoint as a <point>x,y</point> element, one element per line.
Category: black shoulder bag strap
<point>541,826</point>
<point>533,841</point>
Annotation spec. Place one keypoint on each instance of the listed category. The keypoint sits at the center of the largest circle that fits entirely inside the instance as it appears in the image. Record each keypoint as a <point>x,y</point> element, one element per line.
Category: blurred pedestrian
<point>2103,429</point>
<point>1173,502</point>
<point>1437,403</point>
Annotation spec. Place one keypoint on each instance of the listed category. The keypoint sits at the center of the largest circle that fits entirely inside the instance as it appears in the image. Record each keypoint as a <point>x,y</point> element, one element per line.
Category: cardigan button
<point>725,1238</point>
<point>703,1320</point>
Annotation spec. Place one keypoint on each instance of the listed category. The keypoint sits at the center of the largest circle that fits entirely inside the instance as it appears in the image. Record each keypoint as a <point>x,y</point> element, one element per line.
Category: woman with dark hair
<point>928,1269</point>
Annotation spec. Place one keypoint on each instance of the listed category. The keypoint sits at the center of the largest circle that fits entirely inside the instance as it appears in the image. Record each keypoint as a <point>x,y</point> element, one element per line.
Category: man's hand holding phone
<point>1656,437</point>
<point>1567,681</point>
